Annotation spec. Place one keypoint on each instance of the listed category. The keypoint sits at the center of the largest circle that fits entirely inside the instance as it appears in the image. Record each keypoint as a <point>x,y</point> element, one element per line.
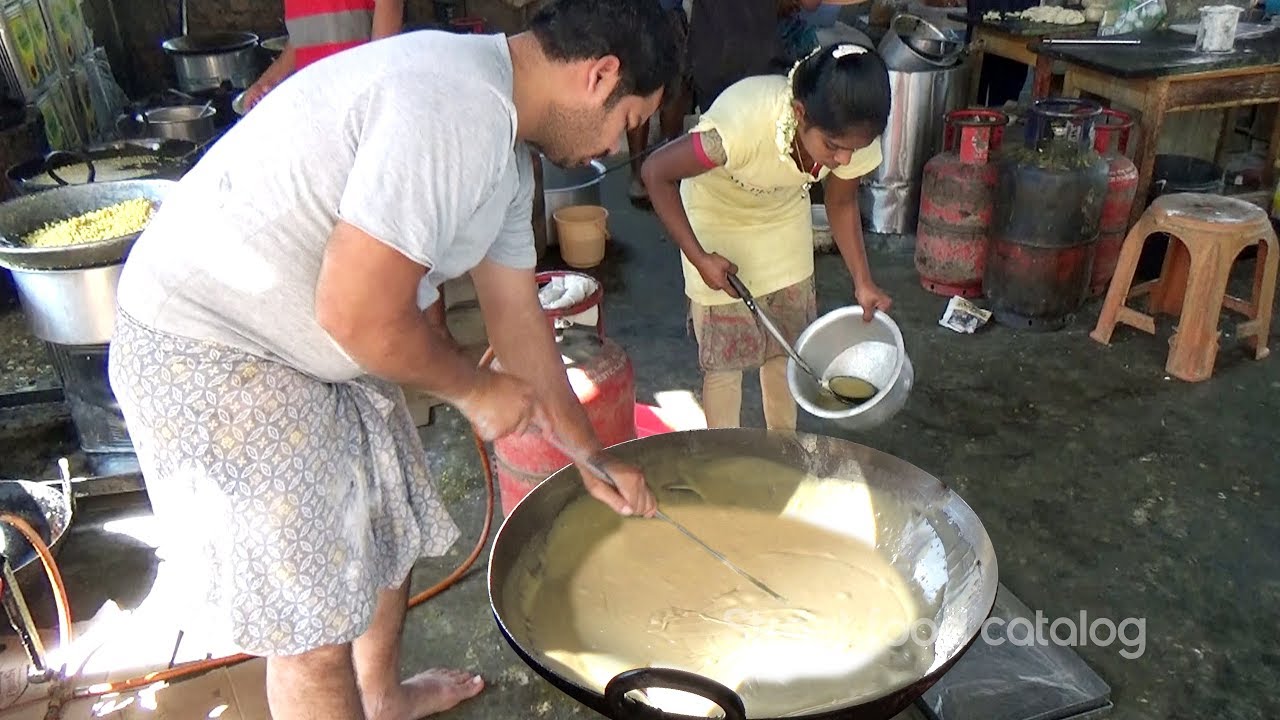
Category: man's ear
<point>602,78</point>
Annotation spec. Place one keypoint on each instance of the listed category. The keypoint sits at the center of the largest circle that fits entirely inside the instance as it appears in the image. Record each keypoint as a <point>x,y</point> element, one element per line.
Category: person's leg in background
<point>637,142</point>
<point>677,102</point>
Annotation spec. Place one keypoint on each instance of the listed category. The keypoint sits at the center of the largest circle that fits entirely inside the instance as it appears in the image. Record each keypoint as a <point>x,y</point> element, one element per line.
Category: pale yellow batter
<point>611,594</point>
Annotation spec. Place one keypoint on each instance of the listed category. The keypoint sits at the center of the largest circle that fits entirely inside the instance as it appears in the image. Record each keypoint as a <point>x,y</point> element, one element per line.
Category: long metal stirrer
<point>582,459</point>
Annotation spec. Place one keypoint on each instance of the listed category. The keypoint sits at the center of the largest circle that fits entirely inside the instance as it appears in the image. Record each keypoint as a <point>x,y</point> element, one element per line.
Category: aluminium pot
<point>206,61</point>
<point>147,158</point>
<point>194,123</point>
<point>920,526</point>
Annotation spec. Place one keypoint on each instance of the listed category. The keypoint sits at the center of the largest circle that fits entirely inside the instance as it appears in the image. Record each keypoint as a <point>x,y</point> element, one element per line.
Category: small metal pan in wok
<point>926,533</point>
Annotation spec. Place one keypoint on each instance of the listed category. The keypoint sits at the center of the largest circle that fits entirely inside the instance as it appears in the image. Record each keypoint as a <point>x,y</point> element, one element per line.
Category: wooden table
<point>1164,75</point>
<point>1010,39</point>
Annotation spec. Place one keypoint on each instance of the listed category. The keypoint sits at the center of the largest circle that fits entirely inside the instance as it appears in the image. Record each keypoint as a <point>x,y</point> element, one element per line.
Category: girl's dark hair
<point>844,93</point>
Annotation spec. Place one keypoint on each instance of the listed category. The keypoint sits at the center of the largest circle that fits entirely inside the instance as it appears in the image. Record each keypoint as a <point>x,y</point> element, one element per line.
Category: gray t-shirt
<point>411,139</point>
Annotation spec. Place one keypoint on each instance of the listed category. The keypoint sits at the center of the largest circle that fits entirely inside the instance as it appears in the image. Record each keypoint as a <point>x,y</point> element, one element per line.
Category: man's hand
<point>499,404</point>
<point>632,496</point>
<point>715,269</point>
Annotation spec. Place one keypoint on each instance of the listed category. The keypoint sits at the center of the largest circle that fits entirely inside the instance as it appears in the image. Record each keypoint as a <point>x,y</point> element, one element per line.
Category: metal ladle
<point>581,458</point>
<point>845,388</point>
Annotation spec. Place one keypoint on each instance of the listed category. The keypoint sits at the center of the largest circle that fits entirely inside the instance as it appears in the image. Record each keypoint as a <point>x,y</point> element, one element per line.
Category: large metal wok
<point>926,532</point>
<point>141,159</point>
<point>28,213</point>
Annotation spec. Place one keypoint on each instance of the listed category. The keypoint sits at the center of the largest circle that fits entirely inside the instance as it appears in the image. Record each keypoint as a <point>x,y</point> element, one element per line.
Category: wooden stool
<point>1206,234</point>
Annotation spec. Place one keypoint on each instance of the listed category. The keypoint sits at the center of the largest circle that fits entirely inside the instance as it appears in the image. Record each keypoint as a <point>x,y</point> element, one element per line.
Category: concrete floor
<point>1105,486</point>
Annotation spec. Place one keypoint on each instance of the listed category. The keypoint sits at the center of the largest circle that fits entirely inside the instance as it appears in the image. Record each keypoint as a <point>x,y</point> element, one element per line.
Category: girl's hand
<point>872,298</point>
<point>715,270</point>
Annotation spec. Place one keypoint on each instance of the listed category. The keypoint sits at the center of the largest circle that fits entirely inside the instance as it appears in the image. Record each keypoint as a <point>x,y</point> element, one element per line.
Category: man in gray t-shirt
<point>275,303</point>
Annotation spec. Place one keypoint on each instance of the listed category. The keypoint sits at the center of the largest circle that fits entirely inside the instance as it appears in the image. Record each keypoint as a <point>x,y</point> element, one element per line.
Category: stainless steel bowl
<point>842,343</point>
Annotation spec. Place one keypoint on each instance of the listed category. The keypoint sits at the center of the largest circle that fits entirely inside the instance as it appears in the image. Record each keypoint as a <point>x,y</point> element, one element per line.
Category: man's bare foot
<point>429,693</point>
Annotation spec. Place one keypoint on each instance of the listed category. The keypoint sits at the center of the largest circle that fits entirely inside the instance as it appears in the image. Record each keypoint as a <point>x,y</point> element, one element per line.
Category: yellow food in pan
<point>113,221</point>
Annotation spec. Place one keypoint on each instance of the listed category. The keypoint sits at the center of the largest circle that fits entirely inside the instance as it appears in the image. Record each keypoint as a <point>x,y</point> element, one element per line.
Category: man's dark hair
<point>637,32</point>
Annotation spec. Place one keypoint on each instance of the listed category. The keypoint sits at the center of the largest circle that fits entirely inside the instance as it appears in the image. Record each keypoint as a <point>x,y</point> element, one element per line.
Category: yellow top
<point>754,210</point>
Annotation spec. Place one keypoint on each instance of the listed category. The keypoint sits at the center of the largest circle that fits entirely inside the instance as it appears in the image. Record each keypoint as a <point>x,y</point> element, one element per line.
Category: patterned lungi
<point>291,502</point>
<point>730,338</point>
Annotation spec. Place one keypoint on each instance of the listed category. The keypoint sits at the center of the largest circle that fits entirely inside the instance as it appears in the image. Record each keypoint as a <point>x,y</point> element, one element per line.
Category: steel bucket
<point>912,520</point>
<point>566,187</point>
<point>889,198</point>
<point>842,343</point>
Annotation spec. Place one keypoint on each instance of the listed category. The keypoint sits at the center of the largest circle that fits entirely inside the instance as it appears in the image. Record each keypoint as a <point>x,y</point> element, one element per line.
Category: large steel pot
<point>146,158</point>
<point>564,187</point>
<point>70,307</point>
<point>926,531</point>
<point>204,62</point>
<point>23,215</point>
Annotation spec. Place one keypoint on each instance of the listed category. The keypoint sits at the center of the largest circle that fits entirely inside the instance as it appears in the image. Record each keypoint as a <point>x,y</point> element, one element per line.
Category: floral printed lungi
<point>292,502</point>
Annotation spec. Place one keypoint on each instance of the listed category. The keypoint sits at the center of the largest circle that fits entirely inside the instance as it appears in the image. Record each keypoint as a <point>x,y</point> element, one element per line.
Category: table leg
<point>1273,152</point>
<point>1144,155</point>
<point>976,56</point>
<point>1043,82</point>
<point>1225,134</point>
<point>1069,86</point>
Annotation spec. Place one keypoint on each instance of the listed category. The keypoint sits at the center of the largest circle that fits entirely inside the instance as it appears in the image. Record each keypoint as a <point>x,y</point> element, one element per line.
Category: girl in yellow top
<point>734,195</point>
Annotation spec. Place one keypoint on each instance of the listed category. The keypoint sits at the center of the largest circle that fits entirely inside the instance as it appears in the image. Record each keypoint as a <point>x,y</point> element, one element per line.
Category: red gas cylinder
<point>602,377</point>
<point>956,198</point>
<point>1123,183</point>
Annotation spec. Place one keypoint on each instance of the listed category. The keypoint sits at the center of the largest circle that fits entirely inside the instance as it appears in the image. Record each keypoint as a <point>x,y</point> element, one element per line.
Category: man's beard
<point>566,132</point>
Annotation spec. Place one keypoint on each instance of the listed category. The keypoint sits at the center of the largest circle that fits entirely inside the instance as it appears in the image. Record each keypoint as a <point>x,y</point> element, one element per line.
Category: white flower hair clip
<point>847,49</point>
